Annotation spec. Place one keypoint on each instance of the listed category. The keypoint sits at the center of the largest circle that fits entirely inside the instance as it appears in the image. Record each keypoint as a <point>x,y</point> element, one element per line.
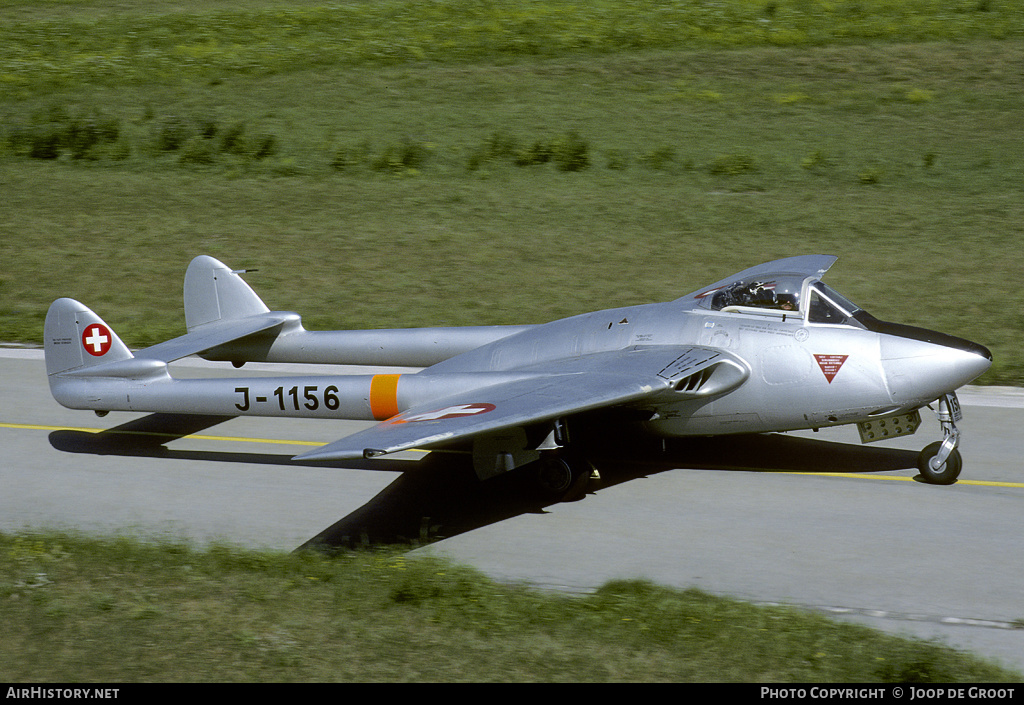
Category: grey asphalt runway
<point>813,520</point>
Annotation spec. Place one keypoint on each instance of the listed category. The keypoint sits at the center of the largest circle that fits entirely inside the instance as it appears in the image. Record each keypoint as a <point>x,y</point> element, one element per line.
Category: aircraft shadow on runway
<point>148,437</point>
<point>441,496</point>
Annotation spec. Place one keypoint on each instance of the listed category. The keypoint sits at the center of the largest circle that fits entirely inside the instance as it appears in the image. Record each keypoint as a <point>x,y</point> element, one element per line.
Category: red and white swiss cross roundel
<point>96,339</point>
<point>449,412</point>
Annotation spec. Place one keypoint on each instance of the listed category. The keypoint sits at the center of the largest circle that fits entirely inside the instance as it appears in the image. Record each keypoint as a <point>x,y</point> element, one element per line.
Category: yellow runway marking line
<point>864,476</point>
<point>855,475</point>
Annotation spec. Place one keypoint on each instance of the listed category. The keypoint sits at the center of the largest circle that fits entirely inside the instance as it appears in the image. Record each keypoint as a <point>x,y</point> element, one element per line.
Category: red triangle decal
<point>830,365</point>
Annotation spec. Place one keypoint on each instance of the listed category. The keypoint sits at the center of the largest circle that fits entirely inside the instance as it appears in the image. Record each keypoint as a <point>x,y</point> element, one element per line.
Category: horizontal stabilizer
<point>212,335</point>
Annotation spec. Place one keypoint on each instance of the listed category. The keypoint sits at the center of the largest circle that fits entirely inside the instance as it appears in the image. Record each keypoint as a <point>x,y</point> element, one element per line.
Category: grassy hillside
<point>394,164</point>
<point>60,42</point>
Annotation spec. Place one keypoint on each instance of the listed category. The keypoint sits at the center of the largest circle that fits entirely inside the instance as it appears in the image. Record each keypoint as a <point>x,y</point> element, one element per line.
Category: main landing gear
<point>940,462</point>
<point>562,475</point>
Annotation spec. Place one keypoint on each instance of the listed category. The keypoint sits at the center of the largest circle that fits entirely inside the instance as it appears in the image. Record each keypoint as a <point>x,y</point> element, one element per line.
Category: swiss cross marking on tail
<point>830,365</point>
<point>96,339</point>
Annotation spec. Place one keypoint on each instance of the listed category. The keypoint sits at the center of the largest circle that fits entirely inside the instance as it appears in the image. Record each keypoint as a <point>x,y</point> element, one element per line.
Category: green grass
<point>401,164</point>
<point>79,609</point>
<point>101,41</point>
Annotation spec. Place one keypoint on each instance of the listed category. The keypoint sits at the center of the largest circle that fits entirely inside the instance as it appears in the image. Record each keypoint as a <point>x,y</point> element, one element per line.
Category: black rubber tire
<point>554,475</point>
<point>563,477</point>
<point>945,475</point>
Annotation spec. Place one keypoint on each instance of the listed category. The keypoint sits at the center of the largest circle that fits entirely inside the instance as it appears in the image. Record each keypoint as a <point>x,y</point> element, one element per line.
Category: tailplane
<point>76,338</point>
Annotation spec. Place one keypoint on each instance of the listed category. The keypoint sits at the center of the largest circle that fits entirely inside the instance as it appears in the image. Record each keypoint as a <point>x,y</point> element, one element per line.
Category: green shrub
<point>85,137</point>
<point>870,176</point>
<point>733,165</point>
<point>172,132</point>
<point>53,131</point>
<point>498,146</point>
<point>263,146</point>
<point>232,139</point>
<point>44,141</point>
<point>571,152</point>
<point>538,153</point>
<point>198,150</point>
<point>660,158</point>
<point>816,160</point>
<point>409,155</point>
<point>348,157</point>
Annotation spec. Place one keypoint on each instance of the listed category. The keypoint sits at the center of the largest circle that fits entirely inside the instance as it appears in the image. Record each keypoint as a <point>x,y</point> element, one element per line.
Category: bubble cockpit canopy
<point>803,296</point>
<point>777,293</point>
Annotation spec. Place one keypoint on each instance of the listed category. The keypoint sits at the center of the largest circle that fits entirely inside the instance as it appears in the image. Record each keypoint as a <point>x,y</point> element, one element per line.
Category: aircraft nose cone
<point>919,370</point>
<point>974,361</point>
<point>981,351</point>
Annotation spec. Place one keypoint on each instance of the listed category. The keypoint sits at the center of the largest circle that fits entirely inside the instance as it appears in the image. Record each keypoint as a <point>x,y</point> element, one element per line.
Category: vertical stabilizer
<point>75,337</point>
<point>213,292</point>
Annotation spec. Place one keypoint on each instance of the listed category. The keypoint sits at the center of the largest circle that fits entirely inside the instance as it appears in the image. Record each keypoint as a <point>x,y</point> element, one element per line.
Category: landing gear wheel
<point>554,475</point>
<point>561,478</point>
<point>946,473</point>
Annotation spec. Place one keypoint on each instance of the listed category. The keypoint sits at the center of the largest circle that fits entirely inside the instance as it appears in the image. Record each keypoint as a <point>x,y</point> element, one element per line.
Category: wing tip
<point>327,453</point>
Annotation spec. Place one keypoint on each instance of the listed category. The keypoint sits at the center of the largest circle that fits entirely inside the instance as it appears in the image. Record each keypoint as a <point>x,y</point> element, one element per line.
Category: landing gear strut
<point>940,462</point>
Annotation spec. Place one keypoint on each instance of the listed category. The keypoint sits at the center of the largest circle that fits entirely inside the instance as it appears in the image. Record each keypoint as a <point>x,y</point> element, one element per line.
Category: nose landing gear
<point>940,462</point>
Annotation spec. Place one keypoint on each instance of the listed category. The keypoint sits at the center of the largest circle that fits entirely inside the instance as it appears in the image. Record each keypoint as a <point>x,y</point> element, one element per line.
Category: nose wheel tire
<point>944,474</point>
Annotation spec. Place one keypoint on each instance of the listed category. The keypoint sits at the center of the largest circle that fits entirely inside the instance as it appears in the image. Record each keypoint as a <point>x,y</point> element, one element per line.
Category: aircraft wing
<point>550,391</point>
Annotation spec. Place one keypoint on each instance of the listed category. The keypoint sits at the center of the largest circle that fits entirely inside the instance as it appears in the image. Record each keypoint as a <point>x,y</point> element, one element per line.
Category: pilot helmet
<point>761,294</point>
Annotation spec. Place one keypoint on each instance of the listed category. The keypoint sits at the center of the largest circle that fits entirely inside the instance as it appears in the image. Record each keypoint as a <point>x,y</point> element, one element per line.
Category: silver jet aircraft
<point>771,348</point>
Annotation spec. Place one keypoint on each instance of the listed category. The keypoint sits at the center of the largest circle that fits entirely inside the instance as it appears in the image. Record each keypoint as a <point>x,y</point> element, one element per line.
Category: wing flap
<point>553,390</point>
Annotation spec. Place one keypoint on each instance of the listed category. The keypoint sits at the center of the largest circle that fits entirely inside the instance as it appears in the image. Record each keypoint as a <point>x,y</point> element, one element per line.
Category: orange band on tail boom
<point>384,396</point>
